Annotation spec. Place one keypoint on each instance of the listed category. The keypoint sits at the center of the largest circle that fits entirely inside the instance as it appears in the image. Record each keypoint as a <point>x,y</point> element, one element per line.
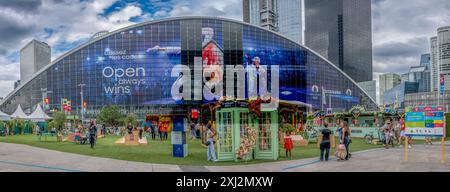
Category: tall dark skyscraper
<point>341,31</point>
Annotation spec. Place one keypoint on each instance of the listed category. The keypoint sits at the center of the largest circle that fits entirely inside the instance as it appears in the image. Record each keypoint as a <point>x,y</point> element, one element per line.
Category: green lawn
<point>159,151</point>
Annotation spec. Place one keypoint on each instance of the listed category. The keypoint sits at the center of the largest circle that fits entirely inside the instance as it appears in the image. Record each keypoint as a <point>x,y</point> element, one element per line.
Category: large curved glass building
<point>132,68</point>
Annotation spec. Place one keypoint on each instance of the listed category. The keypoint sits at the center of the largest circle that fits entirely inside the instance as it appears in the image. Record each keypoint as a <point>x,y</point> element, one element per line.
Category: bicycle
<point>369,138</point>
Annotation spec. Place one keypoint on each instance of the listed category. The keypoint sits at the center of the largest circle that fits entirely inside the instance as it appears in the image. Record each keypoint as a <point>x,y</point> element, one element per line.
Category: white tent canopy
<point>19,114</point>
<point>4,116</point>
<point>38,114</point>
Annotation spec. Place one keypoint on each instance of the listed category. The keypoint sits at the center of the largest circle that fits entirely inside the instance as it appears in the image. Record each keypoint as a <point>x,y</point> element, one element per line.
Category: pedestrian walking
<point>325,144</point>
<point>211,154</point>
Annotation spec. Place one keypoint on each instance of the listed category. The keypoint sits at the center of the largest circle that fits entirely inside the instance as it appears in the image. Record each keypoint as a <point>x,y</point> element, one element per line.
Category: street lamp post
<point>82,101</point>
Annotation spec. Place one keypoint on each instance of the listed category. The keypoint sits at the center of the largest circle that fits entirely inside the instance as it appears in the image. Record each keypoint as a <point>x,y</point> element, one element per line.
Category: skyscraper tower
<point>434,64</point>
<point>283,16</point>
<point>444,55</point>
<point>339,30</point>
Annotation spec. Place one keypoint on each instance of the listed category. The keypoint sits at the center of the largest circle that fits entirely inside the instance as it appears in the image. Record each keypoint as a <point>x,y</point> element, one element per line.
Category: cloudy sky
<point>401,28</point>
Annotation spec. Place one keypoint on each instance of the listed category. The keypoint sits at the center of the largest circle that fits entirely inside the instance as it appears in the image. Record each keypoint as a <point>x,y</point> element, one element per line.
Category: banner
<point>425,121</point>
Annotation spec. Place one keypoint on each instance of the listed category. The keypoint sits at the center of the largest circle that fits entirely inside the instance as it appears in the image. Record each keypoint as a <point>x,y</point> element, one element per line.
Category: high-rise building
<point>405,77</point>
<point>387,82</point>
<point>433,98</point>
<point>444,54</point>
<point>421,75</point>
<point>370,87</point>
<point>395,97</point>
<point>33,57</point>
<point>434,64</point>
<point>425,60</point>
<point>283,16</point>
<point>341,31</point>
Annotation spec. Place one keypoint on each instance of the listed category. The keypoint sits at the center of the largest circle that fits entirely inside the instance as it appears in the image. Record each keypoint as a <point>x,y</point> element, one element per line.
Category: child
<point>288,145</point>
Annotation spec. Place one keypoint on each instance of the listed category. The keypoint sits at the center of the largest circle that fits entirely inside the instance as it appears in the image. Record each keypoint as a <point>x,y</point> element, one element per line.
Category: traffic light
<point>84,104</point>
<point>47,101</point>
<point>194,113</point>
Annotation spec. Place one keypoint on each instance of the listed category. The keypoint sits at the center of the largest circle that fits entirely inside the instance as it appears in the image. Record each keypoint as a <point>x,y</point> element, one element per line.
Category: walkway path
<point>15,157</point>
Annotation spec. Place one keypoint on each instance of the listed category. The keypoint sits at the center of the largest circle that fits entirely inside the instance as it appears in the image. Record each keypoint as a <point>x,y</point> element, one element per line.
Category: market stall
<point>362,123</point>
<point>3,119</point>
<point>237,126</point>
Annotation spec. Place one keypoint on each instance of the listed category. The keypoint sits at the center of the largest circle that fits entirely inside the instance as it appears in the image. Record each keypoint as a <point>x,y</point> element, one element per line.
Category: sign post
<point>426,121</point>
<point>179,138</point>
<point>406,148</point>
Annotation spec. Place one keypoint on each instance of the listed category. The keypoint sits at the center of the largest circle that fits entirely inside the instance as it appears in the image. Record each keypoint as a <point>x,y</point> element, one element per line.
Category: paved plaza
<point>17,158</point>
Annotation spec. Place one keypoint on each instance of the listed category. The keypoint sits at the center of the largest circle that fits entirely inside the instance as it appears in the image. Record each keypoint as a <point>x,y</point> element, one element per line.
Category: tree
<point>110,115</point>
<point>131,118</point>
<point>287,128</point>
<point>59,119</point>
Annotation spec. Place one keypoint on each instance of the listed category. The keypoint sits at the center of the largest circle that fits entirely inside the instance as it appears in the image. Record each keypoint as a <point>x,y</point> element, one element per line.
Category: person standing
<point>210,143</point>
<point>104,129</point>
<point>288,145</point>
<point>397,130</point>
<point>153,130</point>
<point>325,144</point>
<point>344,137</point>
<point>428,141</point>
<point>92,134</point>
<point>192,131</point>
<point>6,129</point>
<point>388,134</point>
<point>130,128</point>
<point>140,129</point>
<point>197,131</point>
<point>38,130</point>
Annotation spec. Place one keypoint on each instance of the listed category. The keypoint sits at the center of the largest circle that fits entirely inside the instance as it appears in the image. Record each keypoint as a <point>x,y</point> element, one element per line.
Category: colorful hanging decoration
<point>254,106</point>
<point>248,142</point>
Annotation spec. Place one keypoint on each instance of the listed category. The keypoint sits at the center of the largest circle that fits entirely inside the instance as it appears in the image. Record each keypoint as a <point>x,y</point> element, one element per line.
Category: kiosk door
<point>267,136</point>
<point>225,143</point>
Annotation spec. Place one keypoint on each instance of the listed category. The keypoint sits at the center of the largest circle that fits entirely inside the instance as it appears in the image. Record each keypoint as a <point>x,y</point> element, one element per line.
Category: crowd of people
<point>393,132</point>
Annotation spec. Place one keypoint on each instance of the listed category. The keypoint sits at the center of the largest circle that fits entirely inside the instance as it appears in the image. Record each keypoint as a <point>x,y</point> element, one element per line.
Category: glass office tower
<point>341,31</point>
<point>283,16</point>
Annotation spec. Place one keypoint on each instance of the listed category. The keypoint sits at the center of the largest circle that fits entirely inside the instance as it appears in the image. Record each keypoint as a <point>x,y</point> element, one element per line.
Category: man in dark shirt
<point>325,144</point>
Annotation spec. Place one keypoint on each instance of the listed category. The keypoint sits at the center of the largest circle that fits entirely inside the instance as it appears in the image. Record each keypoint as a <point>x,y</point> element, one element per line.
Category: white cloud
<point>71,21</point>
<point>122,17</point>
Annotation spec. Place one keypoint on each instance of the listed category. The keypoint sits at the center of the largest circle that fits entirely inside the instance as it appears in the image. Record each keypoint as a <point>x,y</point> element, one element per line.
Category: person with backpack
<point>325,144</point>
<point>92,134</point>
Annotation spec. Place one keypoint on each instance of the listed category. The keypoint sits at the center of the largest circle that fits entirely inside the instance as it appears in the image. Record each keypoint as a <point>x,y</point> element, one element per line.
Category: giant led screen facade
<point>133,68</point>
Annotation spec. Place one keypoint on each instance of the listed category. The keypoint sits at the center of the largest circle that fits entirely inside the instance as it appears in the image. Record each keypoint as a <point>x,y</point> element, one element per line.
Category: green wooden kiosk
<point>232,118</point>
